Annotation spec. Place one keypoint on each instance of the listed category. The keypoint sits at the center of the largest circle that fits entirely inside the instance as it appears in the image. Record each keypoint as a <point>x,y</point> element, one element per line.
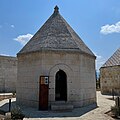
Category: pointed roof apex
<point>56,9</point>
<point>56,35</point>
<point>113,60</point>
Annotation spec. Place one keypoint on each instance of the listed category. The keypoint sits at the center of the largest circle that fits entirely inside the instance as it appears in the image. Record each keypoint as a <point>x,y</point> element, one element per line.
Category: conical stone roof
<point>113,60</point>
<point>56,34</point>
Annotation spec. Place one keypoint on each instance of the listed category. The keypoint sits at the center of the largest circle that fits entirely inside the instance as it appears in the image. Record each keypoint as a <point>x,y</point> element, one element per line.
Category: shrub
<point>115,111</point>
<point>16,113</point>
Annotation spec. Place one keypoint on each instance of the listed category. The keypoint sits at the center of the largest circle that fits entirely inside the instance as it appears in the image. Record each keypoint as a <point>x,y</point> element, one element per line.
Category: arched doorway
<point>61,86</point>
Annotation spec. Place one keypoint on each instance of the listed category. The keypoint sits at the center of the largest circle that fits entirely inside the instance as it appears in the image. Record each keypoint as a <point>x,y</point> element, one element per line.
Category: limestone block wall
<point>8,74</point>
<point>79,68</point>
<point>110,79</point>
<point>87,80</point>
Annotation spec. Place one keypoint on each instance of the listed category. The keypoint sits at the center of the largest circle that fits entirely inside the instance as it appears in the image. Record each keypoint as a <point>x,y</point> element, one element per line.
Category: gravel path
<point>104,105</point>
<point>86,113</point>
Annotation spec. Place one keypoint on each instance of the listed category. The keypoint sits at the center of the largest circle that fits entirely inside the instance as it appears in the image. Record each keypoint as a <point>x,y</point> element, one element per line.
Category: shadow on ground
<point>110,99</point>
<point>34,113</point>
<point>76,112</point>
<point>5,108</point>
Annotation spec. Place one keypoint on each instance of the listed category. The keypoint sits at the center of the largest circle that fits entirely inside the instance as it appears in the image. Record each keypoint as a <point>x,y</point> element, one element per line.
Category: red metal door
<point>43,93</point>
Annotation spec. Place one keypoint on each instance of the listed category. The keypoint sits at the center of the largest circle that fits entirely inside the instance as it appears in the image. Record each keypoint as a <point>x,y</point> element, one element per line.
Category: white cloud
<point>108,29</point>
<point>99,61</point>
<point>12,26</point>
<point>23,39</point>
<point>4,54</point>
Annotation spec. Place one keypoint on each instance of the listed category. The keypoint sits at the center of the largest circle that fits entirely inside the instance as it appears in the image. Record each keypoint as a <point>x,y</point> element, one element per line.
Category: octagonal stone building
<point>56,67</point>
<point>110,75</point>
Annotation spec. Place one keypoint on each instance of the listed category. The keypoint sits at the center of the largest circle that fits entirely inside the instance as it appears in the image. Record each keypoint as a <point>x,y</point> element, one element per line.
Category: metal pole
<point>9,105</point>
<point>113,93</point>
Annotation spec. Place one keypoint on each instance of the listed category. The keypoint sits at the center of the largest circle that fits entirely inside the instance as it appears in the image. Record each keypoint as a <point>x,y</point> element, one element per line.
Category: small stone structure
<point>56,67</point>
<point>8,73</point>
<point>110,75</point>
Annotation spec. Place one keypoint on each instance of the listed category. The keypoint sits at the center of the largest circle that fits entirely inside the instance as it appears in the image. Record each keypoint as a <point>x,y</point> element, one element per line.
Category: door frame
<point>42,84</point>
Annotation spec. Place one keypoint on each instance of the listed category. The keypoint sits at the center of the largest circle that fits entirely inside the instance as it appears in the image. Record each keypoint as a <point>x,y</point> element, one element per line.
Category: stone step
<point>60,102</point>
<point>62,107</point>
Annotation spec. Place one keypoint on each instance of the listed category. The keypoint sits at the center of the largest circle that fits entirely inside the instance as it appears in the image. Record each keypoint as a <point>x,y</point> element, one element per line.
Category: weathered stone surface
<point>80,77</point>
<point>8,74</point>
<point>113,60</point>
<point>110,80</point>
<point>56,34</point>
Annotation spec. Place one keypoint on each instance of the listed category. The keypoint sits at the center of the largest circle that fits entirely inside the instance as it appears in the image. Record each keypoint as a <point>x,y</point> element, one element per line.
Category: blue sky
<point>97,22</point>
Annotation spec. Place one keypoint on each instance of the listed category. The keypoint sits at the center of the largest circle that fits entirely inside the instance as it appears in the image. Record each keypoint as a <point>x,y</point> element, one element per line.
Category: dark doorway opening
<point>61,86</point>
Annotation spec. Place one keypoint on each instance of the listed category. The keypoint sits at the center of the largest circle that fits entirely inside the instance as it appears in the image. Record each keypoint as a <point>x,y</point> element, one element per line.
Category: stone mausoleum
<point>110,75</point>
<point>56,67</point>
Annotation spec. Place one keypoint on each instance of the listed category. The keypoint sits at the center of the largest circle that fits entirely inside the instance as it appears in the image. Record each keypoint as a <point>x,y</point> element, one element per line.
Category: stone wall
<point>110,79</point>
<point>8,74</point>
<point>79,68</point>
